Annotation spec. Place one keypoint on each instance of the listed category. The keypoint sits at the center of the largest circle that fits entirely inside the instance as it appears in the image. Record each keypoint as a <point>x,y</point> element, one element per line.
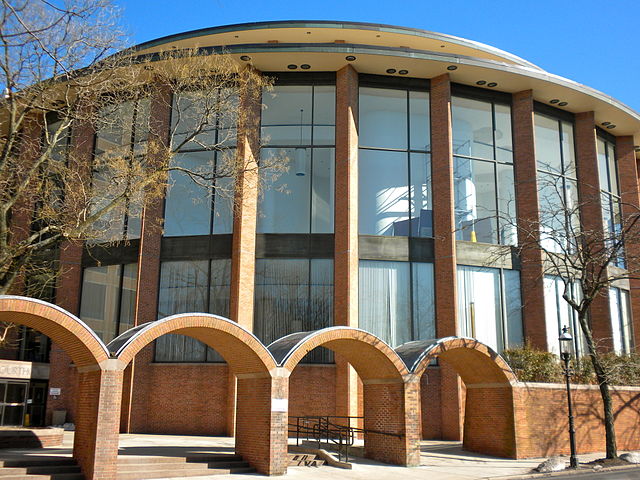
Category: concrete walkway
<point>439,460</point>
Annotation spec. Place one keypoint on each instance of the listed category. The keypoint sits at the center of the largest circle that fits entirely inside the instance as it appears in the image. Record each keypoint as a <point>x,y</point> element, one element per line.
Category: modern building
<point>415,157</point>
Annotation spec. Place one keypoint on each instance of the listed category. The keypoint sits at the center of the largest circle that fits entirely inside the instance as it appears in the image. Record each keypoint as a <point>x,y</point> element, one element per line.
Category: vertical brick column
<point>591,216</point>
<point>69,282</point>
<point>345,308</point>
<point>527,202</point>
<point>22,211</point>
<point>630,193</point>
<point>444,244</point>
<point>489,421</point>
<point>95,445</point>
<point>392,407</point>
<point>245,211</point>
<point>261,427</point>
<point>148,279</point>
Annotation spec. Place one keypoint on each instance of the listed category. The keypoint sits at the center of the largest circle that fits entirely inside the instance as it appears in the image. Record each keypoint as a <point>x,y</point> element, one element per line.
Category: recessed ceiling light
<point>555,100</point>
<point>611,126</point>
<point>452,67</point>
<point>308,33</point>
<point>305,66</point>
<point>236,36</point>
<point>492,84</point>
<point>377,36</point>
<point>292,66</point>
<point>403,72</point>
<point>245,58</point>
<point>441,46</point>
<point>391,70</point>
<point>350,58</point>
<point>481,82</point>
<point>563,104</point>
<point>604,124</point>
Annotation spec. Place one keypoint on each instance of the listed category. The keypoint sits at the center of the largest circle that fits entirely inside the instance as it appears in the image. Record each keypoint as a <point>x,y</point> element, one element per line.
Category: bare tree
<point>588,262</point>
<point>61,75</point>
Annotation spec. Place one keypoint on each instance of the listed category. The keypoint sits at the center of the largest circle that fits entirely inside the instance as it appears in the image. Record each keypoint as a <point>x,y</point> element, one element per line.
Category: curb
<point>568,472</point>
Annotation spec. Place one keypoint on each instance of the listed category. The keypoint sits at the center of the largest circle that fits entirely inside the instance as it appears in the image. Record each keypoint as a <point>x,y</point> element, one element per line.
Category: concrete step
<point>36,461</point>
<point>154,467</point>
<point>304,460</point>
<point>42,469</point>
<point>55,476</point>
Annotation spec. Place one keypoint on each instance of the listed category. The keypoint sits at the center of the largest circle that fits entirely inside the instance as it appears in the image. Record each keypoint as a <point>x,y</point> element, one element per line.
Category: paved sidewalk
<point>439,460</point>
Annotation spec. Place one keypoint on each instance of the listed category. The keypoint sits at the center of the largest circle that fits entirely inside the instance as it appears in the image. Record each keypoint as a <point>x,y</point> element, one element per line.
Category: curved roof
<point>381,49</point>
<point>328,28</point>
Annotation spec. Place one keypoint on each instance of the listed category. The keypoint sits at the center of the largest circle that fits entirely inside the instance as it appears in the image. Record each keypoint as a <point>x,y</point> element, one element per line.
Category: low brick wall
<point>30,437</point>
<point>542,421</point>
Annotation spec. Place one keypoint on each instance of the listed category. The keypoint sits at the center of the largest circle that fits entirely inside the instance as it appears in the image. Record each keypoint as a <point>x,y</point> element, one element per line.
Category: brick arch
<point>78,340</point>
<point>242,350</point>
<point>489,404</point>
<point>474,361</point>
<point>370,356</point>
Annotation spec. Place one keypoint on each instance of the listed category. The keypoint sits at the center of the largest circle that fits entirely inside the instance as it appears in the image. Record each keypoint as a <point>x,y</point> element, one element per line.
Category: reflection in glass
<point>191,287</point>
<point>396,300</point>
<point>293,295</point>
<point>107,302</point>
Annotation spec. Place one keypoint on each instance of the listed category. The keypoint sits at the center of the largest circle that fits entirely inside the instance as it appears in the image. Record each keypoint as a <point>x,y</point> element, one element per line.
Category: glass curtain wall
<point>394,163</point>
<point>122,133</point>
<point>396,300</point>
<point>107,303</point>
<point>293,295</point>
<point>489,306</point>
<point>557,183</point>
<point>610,194</point>
<point>621,325</point>
<point>559,314</point>
<point>188,287</point>
<point>298,126</point>
<point>483,171</point>
<point>199,199</point>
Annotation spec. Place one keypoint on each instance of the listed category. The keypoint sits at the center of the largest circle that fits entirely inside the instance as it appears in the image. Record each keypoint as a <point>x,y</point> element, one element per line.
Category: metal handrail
<point>317,428</point>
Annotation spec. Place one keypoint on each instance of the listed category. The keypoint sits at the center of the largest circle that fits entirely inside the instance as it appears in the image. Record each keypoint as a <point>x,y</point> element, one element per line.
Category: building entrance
<point>13,402</point>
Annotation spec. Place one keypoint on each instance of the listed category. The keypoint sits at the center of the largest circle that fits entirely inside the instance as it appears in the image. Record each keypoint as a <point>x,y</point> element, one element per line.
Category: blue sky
<point>592,42</point>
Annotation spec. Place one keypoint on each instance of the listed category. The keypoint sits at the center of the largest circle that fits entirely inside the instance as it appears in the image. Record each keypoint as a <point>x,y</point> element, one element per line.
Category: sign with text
<point>279,405</point>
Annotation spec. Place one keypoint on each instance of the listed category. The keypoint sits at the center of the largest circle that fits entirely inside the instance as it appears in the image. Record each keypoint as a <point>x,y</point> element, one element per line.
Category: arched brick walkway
<point>261,431</point>
<point>95,445</point>
<point>489,423</point>
<point>391,403</point>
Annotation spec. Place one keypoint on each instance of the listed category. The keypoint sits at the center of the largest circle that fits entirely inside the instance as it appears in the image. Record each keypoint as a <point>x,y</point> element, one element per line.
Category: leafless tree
<point>61,73</point>
<point>588,261</point>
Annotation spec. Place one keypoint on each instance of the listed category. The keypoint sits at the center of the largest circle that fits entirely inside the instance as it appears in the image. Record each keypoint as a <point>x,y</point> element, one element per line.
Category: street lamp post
<point>566,341</point>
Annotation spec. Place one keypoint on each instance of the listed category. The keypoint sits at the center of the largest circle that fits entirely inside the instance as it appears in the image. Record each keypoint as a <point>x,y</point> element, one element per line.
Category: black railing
<point>332,430</point>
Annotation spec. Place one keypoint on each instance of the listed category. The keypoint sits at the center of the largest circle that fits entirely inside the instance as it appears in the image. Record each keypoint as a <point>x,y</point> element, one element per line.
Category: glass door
<point>13,397</point>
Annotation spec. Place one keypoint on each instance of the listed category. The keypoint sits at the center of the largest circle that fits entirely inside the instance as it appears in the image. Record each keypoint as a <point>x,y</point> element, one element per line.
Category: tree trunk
<point>607,404</point>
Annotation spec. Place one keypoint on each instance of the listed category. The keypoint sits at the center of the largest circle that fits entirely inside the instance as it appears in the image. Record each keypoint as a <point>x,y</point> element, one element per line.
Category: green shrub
<point>532,365</point>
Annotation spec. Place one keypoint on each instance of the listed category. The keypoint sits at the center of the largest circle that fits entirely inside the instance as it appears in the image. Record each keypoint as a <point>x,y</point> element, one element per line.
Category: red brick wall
<point>312,390</point>
<point>542,422</point>
<point>162,393</point>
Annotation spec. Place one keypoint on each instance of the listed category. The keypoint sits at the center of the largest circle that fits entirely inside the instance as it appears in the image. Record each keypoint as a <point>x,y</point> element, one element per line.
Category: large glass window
<point>394,165</point>
<point>298,124</point>
<point>293,295</point>
<point>107,304</point>
<point>483,171</point>
<point>557,185</point>
<point>396,300</point>
<point>121,136</point>
<point>190,287</point>
<point>621,325</point>
<point>489,306</point>
<point>199,199</point>
<point>610,195</point>
<point>559,313</point>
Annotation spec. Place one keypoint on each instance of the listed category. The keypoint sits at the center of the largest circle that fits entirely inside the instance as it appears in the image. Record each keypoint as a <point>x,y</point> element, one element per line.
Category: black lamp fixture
<point>566,344</point>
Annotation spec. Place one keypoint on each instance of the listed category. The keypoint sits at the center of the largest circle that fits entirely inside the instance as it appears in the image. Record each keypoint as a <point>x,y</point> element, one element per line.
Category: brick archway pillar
<point>262,421</point>
<point>392,407</point>
<point>95,446</point>
<point>489,421</point>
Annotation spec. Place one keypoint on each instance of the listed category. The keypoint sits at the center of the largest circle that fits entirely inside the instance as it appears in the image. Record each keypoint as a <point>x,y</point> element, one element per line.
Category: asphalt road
<point>626,474</point>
